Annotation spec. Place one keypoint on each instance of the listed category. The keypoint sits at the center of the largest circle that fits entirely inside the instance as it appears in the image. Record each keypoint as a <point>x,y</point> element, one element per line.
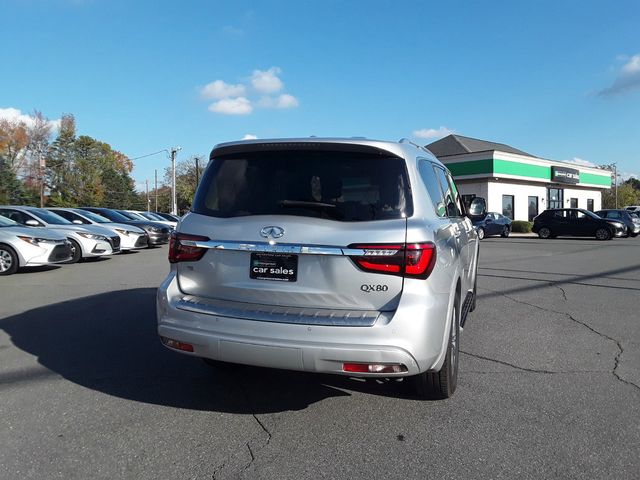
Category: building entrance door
<point>556,198</point>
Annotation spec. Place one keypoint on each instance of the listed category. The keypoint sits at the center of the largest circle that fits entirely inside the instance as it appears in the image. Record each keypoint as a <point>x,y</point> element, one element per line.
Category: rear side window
<point>430,181</point>
<point>344,186</point>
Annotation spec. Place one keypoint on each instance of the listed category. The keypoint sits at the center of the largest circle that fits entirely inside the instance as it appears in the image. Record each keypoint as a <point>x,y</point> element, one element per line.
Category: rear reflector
<point>373,368</point>
<point>169,342</point>
<point>414,260</point>
<point>179,252</point>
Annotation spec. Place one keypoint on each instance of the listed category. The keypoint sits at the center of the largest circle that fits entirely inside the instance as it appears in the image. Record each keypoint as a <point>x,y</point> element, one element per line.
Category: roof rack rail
<point>406,140</point>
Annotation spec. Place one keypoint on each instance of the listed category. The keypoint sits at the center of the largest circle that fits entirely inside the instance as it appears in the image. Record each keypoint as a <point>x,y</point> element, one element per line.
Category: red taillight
<point>179,252</point>
<point>410,260</point>
<point>169,342</point>
<point>373,368</point>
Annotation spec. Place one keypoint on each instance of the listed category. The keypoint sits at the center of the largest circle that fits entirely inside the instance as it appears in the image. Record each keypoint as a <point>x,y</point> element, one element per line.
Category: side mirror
<point>32,223</point>
<point>77,222</point>
<point>478,207</point>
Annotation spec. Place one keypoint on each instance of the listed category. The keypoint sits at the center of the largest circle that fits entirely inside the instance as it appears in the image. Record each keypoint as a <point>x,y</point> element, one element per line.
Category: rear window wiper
<point>302,203</point>
<point>328,209</point>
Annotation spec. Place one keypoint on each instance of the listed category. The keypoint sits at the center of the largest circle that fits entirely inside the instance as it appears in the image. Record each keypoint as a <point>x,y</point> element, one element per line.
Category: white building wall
<point>479,189</point>
<point>521,193</point>
<point>582,196</point>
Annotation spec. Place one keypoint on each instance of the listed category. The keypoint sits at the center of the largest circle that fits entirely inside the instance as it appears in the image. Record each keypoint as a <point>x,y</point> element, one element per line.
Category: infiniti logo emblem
<point>272,231</point>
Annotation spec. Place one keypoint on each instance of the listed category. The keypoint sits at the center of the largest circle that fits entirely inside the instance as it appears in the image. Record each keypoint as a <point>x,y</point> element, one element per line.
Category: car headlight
<point>122,231</point>
<point>92,236</point>
<point>154,229</point>
<point>32,240</point>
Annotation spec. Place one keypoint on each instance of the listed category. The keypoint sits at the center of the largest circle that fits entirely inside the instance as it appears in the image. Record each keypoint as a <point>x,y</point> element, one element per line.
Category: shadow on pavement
<point>108,343</point>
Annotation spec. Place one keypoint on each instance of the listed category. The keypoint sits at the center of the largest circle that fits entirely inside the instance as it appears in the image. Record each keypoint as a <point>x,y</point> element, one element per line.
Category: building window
<point>574,203</point>
<point>590,204</point>
<point>555,198</point>
<point>533,207</point>
<point>507,206</point>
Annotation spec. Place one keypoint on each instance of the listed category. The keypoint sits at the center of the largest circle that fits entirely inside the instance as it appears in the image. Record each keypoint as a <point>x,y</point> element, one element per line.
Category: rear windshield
<point>344,186</point>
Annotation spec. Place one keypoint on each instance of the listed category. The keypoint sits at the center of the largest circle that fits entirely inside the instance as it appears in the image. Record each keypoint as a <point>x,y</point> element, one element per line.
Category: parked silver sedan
<point>131,237</point>
<point>86,241</point>
<point>24,247</point>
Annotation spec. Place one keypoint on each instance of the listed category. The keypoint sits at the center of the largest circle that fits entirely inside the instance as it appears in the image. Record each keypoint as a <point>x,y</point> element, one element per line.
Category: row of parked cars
<point>577,222</point>
<point>31,236</point>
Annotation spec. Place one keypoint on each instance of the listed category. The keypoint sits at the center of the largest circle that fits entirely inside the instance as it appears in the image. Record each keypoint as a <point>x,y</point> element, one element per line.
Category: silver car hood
<point>40,232</point>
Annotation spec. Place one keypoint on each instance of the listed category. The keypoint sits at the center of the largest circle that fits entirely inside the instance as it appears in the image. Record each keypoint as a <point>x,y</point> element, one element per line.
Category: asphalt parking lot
<point>549,383</point>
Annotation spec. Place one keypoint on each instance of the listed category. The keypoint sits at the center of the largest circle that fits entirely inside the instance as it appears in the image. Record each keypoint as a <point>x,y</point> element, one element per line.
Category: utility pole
<point>42,170</point>
<point>174,203</point>
<point>197,172</point>
<point>155,175</point>
<point>148,201</point>
<point>615,181</point>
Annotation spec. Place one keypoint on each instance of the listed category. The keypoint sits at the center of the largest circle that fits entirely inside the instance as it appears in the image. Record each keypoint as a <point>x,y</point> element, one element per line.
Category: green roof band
<point>497,166</point>
<point>521,169</point>
<point>595,179</point>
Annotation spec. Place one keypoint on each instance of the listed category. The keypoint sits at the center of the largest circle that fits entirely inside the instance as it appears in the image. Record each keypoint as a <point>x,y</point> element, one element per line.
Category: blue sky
<point>558,79</point>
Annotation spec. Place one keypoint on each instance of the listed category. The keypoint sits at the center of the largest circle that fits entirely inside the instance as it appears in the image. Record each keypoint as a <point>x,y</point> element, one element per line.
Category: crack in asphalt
<point>253,451</point>
<point>616,361</point>
<point>517,367</point>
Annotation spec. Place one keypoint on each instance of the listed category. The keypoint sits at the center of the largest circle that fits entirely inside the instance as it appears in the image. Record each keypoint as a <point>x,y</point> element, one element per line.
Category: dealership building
<point>515,183</point>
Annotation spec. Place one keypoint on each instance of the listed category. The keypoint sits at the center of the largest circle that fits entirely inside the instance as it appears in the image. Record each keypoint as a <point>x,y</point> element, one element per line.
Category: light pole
<point>174,203</point>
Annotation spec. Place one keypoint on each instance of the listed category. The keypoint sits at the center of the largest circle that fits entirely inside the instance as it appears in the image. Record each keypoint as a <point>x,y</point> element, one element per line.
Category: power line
<point>149,154</point>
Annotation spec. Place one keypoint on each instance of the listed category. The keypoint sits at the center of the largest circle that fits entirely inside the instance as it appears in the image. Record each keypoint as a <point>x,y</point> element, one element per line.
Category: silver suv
<point>342,256</point>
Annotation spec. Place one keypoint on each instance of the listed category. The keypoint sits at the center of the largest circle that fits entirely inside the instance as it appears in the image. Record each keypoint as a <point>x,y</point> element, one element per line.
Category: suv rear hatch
<point>297,226</point>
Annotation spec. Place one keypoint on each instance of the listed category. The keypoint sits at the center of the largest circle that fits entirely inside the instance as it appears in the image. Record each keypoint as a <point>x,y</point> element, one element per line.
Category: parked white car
<point>131,237</point>
<point>154,217</point>
<point>86,241</point>
<point>24,247</point>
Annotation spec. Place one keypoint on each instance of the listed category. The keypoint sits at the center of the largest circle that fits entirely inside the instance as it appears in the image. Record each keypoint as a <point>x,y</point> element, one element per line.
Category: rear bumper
<point>414,336</point>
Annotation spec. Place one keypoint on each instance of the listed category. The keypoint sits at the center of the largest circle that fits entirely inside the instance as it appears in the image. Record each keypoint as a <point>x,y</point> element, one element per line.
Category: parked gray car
<point>342,256</point>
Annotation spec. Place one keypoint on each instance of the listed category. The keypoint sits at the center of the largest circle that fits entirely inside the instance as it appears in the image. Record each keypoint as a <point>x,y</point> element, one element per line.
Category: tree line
<point>68,170</point>
<point>72,170</point>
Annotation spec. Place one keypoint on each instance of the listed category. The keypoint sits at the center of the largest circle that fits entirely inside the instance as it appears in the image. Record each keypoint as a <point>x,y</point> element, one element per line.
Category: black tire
<point>9,261</point>
<point>505,231</point>
<point>545,232</point>
<point>481,234</point>
<point>633,235</point>
<point>603,234</point>
<point>76,252</point>
<point>442,384</point>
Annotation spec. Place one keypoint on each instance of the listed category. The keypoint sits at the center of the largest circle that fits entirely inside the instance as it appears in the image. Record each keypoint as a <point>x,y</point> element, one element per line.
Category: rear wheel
<point>544,232</point>
<point>8,260</point>
<point>505,231</point>
<point>603,234</point>
<point>76,252</point>
<point>481,233</point>
<point>442,384</point>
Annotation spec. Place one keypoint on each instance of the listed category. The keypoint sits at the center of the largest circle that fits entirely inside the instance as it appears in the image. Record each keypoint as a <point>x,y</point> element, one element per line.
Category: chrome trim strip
<point>278,314</point>
<point>272,247</point>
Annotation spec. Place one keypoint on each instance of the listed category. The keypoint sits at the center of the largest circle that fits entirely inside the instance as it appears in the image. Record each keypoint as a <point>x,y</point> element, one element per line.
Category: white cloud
<point>15,115</point>
<point>281,101</point>
<point>263,89</point>
<point>267,81</point>
<point>628,78</point>
<point>582,162</point>
<point>219,89</point>
<point>232,106</point>
<point>432,132</point>
<point>249,136</point>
